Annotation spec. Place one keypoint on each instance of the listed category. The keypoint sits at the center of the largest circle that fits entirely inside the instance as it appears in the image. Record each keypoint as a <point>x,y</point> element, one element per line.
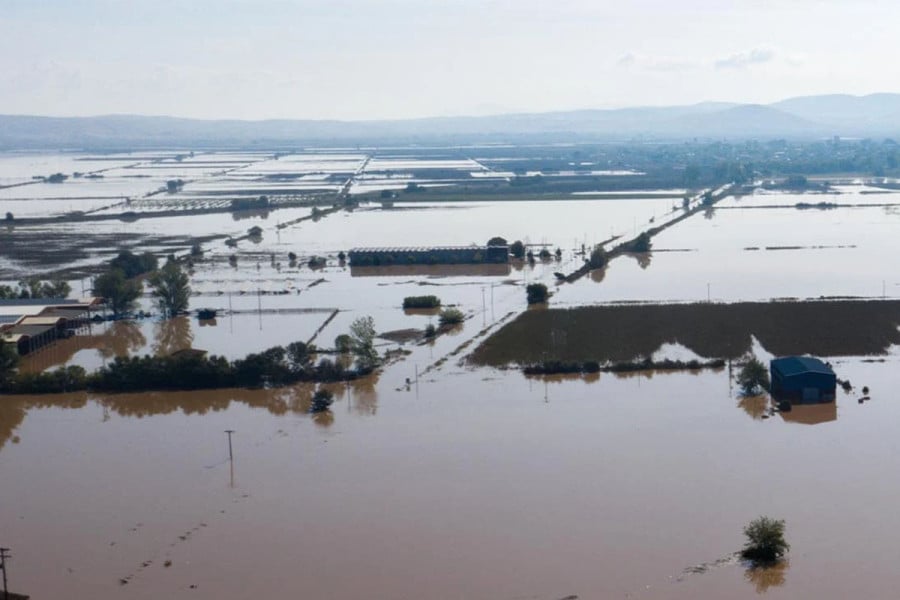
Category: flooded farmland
<point>435,478</point>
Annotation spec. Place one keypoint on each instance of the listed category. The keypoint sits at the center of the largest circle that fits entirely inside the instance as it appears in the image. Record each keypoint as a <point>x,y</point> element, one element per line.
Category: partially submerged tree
<point>171,288</point>
<point>343,343</point>
<point>36,288</point>
<point>362,334</point>
<point>598,257</point>
<point>765,541</point>
<point>133,265</point>
<point>119,291</point>
<point>451,316</point>
<point>517,249</point>
<point>9,360</point>
<point>536,293</point>
<point>753,377</point>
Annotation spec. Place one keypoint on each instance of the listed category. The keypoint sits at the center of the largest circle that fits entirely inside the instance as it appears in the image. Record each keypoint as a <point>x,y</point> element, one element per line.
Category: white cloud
<point>742,60</point>
<point>655,63</point>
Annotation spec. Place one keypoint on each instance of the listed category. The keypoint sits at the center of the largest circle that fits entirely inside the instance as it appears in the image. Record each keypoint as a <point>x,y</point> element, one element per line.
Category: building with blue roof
<point>802,379</point>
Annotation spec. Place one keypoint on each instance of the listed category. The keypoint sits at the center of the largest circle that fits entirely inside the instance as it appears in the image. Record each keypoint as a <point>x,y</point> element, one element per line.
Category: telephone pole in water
<point>3,556</point>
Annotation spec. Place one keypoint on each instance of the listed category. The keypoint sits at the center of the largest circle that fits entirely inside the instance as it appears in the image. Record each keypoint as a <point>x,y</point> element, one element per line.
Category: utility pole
<point>230,453</point>
<point>3,557</point>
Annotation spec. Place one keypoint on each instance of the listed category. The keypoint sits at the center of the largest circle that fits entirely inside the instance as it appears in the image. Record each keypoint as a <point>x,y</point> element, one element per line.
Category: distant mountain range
<point>876,115</point>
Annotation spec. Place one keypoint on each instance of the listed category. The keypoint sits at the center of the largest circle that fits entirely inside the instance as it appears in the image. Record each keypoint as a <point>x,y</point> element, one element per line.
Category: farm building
<point>32,323</point>
<point>802,379</point>
<point>435,255</point>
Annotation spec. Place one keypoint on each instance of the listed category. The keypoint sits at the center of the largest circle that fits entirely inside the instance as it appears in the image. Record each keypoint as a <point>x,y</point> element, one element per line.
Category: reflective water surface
<point>480,484</point>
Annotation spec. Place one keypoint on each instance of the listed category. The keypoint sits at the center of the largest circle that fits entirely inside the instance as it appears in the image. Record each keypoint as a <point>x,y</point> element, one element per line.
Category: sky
<point>395,59</point>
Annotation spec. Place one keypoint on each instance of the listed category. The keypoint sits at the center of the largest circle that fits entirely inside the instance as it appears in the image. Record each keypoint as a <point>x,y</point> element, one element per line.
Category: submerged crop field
<point>632,332</point>
<point>444,459</point>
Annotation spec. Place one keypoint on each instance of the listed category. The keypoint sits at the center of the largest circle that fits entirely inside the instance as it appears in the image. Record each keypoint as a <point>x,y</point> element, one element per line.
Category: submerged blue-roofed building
<point>802,379</point>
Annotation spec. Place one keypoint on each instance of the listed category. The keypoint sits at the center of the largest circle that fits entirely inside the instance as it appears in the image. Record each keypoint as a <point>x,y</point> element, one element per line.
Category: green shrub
<point>421,302</point>
<point>343,343</point>
<point>451,316</point>
<point>765,541</point>
<point>536,293</point>
<point>753,377</point>
<point>598,258</point>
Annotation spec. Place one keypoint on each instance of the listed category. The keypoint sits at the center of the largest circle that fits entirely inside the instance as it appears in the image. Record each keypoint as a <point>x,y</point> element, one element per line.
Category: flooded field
<point>472,484</point>
<point>434,478</point>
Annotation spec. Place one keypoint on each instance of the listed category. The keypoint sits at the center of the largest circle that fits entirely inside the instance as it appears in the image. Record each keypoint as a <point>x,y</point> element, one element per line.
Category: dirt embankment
<point>623,333</point>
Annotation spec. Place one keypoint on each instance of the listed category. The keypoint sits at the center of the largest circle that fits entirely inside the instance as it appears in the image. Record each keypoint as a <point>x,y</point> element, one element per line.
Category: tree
<point>362,334</point>
<point>451,316</point>
<point>171,286</point>
<point>765,541</point>
<point>119,291</point>
<point>132,265</point>
<point>9,360</point>
<point>299,355</point>
<point>343,343</point>
<point>753,376</point>
<point>517,249</point>
<point>536,293</point>
<point>35,288</point>
<point>641,243</point>
<point>598,257</point>
<point>9,217</point>
<point>497,241</point>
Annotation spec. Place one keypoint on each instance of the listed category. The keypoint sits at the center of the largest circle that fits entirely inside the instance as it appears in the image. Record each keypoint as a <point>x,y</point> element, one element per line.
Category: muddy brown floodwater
<point>473,484</point>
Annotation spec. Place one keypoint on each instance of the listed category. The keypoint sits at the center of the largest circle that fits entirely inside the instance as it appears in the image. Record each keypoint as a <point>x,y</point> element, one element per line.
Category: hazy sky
<point>360,59</point>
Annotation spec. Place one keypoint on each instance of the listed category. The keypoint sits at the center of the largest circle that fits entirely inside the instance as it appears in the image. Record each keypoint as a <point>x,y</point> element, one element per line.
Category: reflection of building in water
<point>111,339</point>
<point>811,414</point>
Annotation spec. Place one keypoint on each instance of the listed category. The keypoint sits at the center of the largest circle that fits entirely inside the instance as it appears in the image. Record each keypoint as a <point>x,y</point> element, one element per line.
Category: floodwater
<point>476,484</point>
<point>757,254</point>
<point>465,483</point>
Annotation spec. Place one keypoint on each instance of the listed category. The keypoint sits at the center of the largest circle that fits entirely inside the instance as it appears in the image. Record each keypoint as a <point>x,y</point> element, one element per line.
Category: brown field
<point>622,333</point>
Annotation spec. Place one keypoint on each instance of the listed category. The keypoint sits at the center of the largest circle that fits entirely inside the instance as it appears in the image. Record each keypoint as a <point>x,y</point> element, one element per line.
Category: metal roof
<point>795,365</point>
<point>42,320</point>
<point>396,249</point>
<point>30,330</point>
<point>38,301</point>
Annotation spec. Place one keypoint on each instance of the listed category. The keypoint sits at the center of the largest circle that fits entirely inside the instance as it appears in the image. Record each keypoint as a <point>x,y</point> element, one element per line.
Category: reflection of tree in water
<point>324,418</point>
<point>12,413</point>
<point>172,335</point>
<point>196,402</point>
<point>709,213</point>
<point>597,275</point>
<point>364,396</point>
<point>755,406</point>
<point>121,339</point>
<point>643,258</point>
<point>765,577</point>
<point>14,408</point>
